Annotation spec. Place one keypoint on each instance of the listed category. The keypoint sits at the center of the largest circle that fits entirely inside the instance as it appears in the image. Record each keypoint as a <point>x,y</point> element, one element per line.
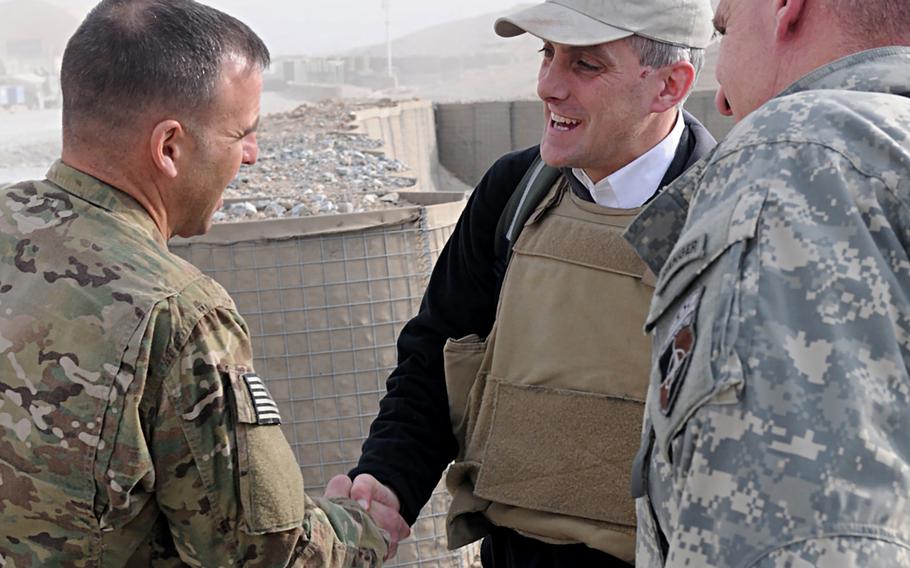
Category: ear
<point>676,81</point>
<point>168,143</point>
<point>787,16</point>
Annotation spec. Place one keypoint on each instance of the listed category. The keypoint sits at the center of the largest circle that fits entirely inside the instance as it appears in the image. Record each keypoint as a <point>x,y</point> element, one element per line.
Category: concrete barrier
<point>473,135</point>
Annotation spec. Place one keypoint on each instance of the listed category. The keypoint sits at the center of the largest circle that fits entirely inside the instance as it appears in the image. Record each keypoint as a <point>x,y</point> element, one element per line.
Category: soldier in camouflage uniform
<point>779,407</point>
<point>133,428</point>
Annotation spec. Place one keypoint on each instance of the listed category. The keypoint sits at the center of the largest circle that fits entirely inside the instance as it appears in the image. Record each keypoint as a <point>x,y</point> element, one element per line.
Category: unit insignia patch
<point>677,352</point>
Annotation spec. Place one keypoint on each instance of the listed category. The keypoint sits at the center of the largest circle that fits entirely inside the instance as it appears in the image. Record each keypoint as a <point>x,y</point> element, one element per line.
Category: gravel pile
<point>311,163</point>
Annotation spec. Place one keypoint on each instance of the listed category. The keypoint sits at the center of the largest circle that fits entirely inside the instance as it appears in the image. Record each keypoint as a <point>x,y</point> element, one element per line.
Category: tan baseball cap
<point>685,23</point>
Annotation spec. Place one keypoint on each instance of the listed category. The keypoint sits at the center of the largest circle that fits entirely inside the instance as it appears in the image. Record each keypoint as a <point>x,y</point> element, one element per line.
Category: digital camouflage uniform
<point>133,430</point>
<point>778,415</point>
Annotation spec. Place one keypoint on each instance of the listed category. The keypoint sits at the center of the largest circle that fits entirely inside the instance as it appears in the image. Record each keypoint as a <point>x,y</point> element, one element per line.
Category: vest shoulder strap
<point>531,190</point>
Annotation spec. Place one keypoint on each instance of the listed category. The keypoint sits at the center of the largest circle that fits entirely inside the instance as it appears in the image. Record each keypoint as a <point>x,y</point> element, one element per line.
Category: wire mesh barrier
<point>324,299</point>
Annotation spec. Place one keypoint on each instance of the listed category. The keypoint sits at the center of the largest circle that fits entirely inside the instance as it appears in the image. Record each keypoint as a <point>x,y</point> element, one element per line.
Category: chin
<point>195,230</point>
<point>553,157</point>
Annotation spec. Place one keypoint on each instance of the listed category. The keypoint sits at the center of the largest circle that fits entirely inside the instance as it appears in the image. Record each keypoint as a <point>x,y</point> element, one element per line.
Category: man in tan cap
<point>134,430</point>
<point>540,401</point>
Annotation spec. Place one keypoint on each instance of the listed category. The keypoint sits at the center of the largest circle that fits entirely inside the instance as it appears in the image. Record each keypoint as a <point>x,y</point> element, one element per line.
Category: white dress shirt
<point>634,184</point>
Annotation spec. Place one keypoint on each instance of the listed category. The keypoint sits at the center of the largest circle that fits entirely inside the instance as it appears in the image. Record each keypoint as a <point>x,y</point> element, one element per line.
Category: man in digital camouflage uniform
<point>779,406</point>
<point>133,428</point>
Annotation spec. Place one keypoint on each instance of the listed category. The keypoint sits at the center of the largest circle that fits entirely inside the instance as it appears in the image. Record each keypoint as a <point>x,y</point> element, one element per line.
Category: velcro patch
<point>263,403</point>
<point>677,353</point>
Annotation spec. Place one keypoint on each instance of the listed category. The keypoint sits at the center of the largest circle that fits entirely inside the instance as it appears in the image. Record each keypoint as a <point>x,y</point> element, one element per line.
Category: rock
<point>274,210</point>
<point>242,210</point>
<point>312,163</point>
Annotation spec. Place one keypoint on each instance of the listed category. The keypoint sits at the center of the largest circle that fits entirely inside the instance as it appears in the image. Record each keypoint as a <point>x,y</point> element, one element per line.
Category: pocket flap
<point>702,387</point>
<point>462,359</point>
<point>269,479</point>
<point>702,243</point>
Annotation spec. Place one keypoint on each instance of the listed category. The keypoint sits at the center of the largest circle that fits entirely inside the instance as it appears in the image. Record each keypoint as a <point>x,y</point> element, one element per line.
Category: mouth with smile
<point>562,123</point>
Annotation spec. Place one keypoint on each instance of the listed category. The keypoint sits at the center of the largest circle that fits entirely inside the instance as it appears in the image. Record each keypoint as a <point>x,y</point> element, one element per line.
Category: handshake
<point>376,499</point>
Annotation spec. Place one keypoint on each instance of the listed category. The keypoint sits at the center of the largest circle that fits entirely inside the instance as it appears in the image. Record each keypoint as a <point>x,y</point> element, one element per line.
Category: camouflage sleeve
<point>780,397</point>
<point>227,480</point>
<point>837,552</point>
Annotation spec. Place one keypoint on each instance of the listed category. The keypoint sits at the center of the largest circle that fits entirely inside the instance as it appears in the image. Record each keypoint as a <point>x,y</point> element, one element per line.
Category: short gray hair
<point>130,54</point>
<point>657,54</point>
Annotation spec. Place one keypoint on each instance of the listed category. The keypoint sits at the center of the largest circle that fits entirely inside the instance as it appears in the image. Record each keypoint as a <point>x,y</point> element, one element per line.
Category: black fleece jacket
<point>411,440</point>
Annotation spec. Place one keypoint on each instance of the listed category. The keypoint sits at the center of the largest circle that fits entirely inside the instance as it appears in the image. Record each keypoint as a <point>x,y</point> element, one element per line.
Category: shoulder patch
<point>677,352</point>
<point>263,403</point>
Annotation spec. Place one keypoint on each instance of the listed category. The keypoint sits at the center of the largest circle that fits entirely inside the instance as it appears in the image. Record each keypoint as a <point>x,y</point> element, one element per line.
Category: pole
<point>386,5</point>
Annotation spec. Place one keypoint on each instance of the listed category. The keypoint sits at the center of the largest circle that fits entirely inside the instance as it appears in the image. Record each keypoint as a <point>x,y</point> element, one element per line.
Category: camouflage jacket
<point>778,413</point>
<point>133,430</point>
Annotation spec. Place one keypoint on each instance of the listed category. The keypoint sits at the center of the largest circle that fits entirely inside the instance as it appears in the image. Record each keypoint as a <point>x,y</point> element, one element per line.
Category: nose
<point>721,103</point>
<point>552,83</point>
<point>250,150</point>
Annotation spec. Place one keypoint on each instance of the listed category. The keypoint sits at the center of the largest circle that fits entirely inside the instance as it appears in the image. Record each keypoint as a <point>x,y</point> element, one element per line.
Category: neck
<point>118,173</point>
<point>821,40</point>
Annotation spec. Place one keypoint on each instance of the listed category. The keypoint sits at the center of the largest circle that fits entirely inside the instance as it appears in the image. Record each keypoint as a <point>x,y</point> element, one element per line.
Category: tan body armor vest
<point>548,409</point>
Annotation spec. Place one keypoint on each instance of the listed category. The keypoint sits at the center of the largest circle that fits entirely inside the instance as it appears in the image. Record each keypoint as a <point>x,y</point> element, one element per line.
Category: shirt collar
<point>635,183</point>
<point>107,197</point>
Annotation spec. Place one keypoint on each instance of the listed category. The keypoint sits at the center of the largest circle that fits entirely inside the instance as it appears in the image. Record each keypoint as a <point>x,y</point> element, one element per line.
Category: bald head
<point>131,56</point>
<point>769,44</point>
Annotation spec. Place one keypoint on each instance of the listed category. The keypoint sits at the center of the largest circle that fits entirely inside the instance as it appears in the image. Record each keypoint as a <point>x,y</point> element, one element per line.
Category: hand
<point>378,500</point>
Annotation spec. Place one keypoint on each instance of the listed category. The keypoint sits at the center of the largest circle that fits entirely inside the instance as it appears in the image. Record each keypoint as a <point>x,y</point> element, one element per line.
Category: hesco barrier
<point>324,299</point>
<point>408,132</point>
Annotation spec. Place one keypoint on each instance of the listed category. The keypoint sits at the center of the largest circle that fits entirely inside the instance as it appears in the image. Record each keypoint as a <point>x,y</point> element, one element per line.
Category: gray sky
<point>311,26</point>
<point>316,27</point>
